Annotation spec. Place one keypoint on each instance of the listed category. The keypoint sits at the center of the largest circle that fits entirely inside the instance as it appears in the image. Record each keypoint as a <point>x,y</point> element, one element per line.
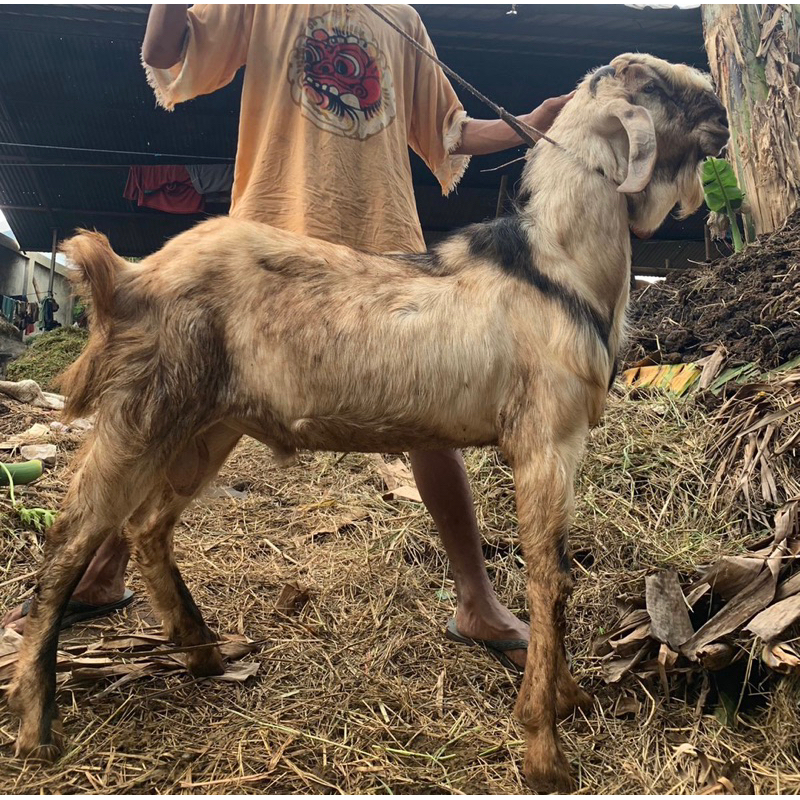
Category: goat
<point>507,333</point>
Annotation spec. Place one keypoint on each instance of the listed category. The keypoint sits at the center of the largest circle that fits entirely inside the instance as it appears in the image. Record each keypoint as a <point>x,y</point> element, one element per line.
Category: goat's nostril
<point>723,121</point>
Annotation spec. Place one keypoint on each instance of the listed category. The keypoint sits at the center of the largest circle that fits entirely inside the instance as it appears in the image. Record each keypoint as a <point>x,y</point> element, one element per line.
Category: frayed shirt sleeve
<point>215,48</point>
<point>437,118</point>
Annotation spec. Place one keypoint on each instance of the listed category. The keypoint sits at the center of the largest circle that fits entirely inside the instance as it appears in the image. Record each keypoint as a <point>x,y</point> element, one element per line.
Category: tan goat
<point>507,334</point>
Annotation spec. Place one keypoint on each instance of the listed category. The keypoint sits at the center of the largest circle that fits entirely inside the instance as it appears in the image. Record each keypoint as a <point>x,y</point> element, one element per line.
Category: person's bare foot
<point>492,620</point>
<point>15,619</point>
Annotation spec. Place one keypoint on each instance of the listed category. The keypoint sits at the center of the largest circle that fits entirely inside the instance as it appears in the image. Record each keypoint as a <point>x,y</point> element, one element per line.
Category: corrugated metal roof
<point>70,76</point>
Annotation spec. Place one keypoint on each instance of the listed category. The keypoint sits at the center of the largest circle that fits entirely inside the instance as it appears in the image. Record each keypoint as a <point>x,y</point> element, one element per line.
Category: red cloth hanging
<point>167,188</point>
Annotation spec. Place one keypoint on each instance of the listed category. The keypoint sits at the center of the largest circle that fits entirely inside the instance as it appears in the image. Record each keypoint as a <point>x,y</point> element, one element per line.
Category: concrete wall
<point>12,268</point>
<point>29,274</point>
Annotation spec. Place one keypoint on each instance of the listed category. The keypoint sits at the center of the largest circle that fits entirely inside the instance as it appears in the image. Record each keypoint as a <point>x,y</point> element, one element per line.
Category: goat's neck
<point>579,230</point>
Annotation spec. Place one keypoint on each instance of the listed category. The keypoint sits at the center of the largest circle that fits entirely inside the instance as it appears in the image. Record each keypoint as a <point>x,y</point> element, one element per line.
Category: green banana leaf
<point>720,185</point>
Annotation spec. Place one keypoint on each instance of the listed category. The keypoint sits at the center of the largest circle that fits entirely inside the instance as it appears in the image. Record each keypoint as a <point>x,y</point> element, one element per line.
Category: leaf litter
<point>340,596</point>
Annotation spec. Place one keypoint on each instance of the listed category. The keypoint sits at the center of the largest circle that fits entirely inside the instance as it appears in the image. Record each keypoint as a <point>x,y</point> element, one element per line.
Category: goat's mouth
<point>714,140</point>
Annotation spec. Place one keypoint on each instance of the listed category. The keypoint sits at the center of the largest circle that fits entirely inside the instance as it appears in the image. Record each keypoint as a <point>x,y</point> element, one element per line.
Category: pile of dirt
<point>749,302</point>
<point>47,356</point>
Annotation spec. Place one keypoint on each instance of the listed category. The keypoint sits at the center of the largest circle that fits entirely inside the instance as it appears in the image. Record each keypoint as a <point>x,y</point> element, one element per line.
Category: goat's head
<point>665,119</point>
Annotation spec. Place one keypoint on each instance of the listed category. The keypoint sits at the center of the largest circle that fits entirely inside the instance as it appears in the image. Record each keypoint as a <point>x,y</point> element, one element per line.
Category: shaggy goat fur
<point>506,333</point>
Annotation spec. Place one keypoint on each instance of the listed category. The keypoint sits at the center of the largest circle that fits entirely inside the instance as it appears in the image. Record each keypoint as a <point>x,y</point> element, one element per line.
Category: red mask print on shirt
<point>337,68</point>
<point>340,77</point>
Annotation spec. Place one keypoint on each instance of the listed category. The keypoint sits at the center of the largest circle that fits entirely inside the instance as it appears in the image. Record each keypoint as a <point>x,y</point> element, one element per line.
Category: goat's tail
<point>95,273</point>
<point>94,276</point>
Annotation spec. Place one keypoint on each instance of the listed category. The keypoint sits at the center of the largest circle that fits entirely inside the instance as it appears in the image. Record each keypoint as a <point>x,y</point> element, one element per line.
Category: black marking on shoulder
<point>601,73</point>
<point>504,242</point>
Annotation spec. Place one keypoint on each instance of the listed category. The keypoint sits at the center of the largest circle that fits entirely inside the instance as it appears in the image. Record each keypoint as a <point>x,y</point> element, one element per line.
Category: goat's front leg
<point>543,474</point>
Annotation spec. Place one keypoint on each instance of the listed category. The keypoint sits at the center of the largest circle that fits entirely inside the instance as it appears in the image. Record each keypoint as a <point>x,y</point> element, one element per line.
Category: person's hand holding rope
<point>480,137</point>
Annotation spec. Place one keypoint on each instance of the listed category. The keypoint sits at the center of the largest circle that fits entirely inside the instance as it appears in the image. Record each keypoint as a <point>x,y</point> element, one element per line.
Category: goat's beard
<point>668,188</point>
<point>690,188</point>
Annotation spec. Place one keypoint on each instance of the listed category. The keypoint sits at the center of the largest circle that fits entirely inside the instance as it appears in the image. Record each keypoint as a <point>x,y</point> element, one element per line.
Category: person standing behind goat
<point>332,100</point>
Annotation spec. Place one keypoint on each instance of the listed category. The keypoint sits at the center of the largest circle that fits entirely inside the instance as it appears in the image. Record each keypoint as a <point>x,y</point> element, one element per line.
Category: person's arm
<point>165,34</point>
<point>480,137</point>
<point>191,51</point>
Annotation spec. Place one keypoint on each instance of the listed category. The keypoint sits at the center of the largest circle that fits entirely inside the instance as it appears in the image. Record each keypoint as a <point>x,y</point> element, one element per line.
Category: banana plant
<point>722,194</point>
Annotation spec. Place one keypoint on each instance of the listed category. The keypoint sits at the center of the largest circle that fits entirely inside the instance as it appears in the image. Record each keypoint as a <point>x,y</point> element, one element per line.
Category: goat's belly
<point>348,434</point>
<point>414,396</point>
<point>351,436</point>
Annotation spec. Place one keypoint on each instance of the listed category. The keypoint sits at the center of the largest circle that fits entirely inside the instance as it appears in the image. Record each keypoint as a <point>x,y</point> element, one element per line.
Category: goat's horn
<point>638,125</point>
<point>603,72</point>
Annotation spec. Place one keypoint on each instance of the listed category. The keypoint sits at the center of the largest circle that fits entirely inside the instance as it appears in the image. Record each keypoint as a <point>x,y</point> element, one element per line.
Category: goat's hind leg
<point>101,495</point>
<point>150,532</point>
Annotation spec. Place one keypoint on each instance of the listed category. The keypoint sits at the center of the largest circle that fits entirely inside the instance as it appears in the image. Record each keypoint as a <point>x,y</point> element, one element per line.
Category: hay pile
<point>357,689</point>
<point>749,302</point>
<point>48,355</point>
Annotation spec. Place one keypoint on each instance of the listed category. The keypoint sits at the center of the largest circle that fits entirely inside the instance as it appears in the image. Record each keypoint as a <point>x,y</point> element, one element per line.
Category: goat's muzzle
<point>715,129</point>
<point>717,136</point>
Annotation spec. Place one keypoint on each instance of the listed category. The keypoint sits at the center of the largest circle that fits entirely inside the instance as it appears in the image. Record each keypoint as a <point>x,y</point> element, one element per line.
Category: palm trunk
<point>754,53</point>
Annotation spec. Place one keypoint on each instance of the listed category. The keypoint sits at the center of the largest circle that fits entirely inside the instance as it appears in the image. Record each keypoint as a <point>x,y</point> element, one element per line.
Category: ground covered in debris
<point>345,590</point>
<point>750,302</point>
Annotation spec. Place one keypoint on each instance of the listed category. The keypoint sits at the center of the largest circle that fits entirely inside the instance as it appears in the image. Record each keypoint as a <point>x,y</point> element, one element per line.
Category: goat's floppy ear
<point>638,125</point>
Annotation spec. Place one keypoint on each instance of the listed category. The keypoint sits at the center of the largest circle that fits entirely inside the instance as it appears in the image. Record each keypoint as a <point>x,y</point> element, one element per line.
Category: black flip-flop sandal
<point>497,648</point>
<point>80,612</point>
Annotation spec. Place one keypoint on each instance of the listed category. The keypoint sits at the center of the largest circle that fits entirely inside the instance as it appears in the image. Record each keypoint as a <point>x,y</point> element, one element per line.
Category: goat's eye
<point>650,88</point>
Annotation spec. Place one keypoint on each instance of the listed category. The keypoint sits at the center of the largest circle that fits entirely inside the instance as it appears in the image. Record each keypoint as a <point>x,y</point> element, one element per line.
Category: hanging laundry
<point>20,310</point>
<point>164,188</point>
<point>9,304</point>
<point>211,178</point>
<point>49,308</point>
<point>31,317</point>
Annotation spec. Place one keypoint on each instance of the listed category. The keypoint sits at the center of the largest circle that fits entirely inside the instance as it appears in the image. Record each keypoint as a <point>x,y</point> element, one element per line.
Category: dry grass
<point>359,692</point>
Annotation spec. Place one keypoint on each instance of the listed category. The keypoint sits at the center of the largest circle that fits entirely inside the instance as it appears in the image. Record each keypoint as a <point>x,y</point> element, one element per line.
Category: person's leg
<point>442,482</point>
<point>102,583</point>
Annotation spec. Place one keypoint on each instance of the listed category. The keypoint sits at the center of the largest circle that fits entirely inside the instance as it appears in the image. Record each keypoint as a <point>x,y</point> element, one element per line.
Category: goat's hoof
<point>31,747</point>
<point>205,663</point>
<point>546,769</point>
<point>43,752</point>
<point>552,778</point>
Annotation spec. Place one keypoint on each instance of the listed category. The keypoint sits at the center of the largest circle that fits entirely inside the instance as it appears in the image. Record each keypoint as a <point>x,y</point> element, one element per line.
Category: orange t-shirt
<point>332,99</point>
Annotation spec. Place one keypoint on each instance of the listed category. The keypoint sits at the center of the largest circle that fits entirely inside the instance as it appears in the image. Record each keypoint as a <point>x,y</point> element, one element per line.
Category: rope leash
<point>522,129</point>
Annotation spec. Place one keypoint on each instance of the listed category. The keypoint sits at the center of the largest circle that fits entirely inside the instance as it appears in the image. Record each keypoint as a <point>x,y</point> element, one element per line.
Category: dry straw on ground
<point>357,690</point>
